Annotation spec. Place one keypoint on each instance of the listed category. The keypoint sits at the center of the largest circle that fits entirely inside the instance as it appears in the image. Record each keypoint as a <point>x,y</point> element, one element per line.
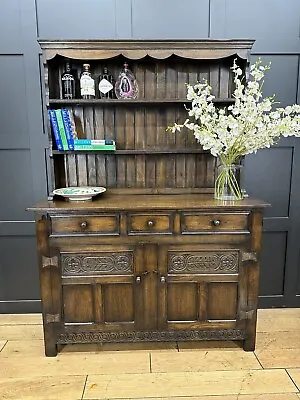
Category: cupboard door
<point>102,287</point>
<point>200,288</point>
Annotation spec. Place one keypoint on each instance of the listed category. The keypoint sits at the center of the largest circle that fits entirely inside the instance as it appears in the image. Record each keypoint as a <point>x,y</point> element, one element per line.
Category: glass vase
<point>228,182</point>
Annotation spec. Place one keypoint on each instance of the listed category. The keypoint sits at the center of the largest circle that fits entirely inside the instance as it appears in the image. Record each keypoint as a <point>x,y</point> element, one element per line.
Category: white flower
<point>246,126</point>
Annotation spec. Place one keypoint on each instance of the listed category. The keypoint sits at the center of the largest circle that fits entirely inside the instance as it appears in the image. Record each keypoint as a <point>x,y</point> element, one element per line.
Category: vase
<point>228,182</point>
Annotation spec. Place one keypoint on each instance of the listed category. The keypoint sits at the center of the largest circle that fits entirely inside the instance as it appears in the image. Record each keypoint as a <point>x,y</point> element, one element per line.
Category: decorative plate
<point>81,193</point>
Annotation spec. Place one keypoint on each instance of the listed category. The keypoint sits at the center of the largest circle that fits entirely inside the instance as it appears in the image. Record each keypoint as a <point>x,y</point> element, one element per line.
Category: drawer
<point>211,223</point>
<point>144,223</point>
<point>75,225</point>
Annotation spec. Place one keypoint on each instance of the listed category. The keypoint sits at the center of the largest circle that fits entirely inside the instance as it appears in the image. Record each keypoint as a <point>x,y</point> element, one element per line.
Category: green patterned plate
<point>81,193</point>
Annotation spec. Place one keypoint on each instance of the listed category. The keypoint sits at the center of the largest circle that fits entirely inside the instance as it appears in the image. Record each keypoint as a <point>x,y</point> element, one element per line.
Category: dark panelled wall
<point>272,175</point>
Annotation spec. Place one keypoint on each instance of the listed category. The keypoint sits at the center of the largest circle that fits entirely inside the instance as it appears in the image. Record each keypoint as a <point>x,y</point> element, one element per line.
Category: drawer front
<point>150,224</point>
<point>85,225</point>
<point>192,223</point>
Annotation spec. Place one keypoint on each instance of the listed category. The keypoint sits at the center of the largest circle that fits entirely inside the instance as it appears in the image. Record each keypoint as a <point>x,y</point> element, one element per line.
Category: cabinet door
<point>201,288</point>
<point>102,286</point>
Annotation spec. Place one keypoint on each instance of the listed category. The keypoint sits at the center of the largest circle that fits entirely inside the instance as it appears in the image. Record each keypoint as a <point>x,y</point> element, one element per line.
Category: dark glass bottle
<point>68,83</point>
<point>87,83</point>
<point>106,85</point>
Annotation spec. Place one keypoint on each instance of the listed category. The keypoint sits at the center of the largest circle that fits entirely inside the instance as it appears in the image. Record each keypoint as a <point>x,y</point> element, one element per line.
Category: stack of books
<point>65,134</point>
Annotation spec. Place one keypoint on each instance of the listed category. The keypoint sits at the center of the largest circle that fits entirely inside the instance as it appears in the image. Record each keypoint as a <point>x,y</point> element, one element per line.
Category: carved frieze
<point>150,336</point>
<point>204,262</point>
<point>101,263</point>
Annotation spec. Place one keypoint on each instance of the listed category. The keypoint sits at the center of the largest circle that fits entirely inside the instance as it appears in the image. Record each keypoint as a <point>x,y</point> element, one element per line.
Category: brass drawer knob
<point>216,222</point>
<point>83,224</point>
<point>150,223</point>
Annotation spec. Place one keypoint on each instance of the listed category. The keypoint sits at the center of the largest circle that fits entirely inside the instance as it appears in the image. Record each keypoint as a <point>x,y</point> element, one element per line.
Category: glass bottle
<point>126,86</point>
<point>68,82</point>
<point>106,85</point>
<point>87,83</point>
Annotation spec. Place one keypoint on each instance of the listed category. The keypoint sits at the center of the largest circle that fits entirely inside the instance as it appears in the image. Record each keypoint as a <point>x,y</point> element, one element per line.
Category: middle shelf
<point>131,101</point>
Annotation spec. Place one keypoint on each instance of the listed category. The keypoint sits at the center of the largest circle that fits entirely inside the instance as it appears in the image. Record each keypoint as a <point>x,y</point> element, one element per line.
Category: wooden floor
<point>203,370</point>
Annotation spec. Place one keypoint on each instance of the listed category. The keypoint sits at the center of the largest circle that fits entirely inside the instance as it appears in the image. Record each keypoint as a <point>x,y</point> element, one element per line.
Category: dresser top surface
<point>127,202</point>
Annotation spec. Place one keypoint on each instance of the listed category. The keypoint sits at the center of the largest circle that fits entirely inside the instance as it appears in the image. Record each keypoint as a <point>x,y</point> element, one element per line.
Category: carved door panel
<point>102,286</point>
<point>201,288</point>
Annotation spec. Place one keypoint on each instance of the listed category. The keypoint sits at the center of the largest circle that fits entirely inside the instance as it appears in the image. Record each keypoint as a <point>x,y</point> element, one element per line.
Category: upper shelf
<point>131,101</point>
<point>207,49</point>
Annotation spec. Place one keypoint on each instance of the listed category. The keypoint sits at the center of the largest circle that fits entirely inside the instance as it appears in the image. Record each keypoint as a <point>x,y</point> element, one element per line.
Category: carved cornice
<point>134,50</point>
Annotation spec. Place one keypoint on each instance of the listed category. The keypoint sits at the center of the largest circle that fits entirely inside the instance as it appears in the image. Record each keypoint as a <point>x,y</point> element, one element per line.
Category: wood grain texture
<point>75,364</point>
<point>203,361</point>
<point>189,384</point>
<point>43,388</point>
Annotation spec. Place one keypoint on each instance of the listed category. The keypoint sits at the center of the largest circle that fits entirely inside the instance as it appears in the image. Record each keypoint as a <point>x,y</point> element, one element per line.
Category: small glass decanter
<point>126,86</point>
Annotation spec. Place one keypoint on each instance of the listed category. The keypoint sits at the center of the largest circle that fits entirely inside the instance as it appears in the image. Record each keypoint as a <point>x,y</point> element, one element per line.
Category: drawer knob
<point>162,279</point>
<point>150,223</point>
<point>138,279</point>
<point>83,224</point>
<point>216,222</point>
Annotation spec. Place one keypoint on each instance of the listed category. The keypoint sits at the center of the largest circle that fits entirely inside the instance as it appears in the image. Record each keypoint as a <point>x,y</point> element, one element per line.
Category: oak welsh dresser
<point>155,258</point>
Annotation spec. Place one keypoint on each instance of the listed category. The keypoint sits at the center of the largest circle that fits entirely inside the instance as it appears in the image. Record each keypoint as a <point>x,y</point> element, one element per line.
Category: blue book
<point>61,129</point>
<point>68,128</point>
<point>55,129</point>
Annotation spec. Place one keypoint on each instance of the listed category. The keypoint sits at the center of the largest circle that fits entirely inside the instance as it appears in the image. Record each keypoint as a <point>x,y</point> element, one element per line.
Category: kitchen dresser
<point>155,258</point>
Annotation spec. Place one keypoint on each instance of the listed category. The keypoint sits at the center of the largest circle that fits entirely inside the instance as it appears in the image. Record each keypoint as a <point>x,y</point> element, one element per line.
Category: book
<point>94,141</point>
<point>84,147</point>
<point>68,128</point>
<point>61,129</point>
<point>55,129</point>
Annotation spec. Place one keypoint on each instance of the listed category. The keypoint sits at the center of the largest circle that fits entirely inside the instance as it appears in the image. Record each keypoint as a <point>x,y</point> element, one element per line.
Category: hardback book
<point>55,129</point>
<point>61,129</point>
<point>68,128</point>
<point>94,145</point>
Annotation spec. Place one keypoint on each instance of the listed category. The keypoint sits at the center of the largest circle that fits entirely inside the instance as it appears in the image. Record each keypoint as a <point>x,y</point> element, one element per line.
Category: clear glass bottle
<point>87,83</point>
<point>126,86</point>
<point>106,85</point>
<point>68,82</point>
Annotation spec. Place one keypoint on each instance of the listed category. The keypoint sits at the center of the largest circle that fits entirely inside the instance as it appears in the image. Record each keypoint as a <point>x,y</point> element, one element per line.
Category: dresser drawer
<point>84,225</point>
<point>144,223</point>
<point>192,223</point>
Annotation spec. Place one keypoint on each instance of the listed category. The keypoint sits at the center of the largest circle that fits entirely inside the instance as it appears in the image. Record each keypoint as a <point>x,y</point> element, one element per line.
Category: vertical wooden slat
<point>214,77</point>
<point>98,303</point>
<point>203,298</point>
<point>190,170</point>
<point>89,128</point>
<point>224,81</point>
<point>82,169</point>
<point>130,140</point>
<point>110,127</point>
<point>120,138</point>
<point>200,171</point>
<point>71,168</point>
<point>100,167</point>
<point>151,171</point>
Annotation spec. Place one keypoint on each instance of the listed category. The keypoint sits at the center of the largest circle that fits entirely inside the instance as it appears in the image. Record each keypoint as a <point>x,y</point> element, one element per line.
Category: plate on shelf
<point>82,193</point>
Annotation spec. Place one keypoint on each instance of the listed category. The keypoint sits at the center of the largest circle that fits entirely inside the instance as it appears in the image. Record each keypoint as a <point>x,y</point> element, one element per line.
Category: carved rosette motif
<point>203,262</point>
<point>104,263</point>
<point>150,336</point>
